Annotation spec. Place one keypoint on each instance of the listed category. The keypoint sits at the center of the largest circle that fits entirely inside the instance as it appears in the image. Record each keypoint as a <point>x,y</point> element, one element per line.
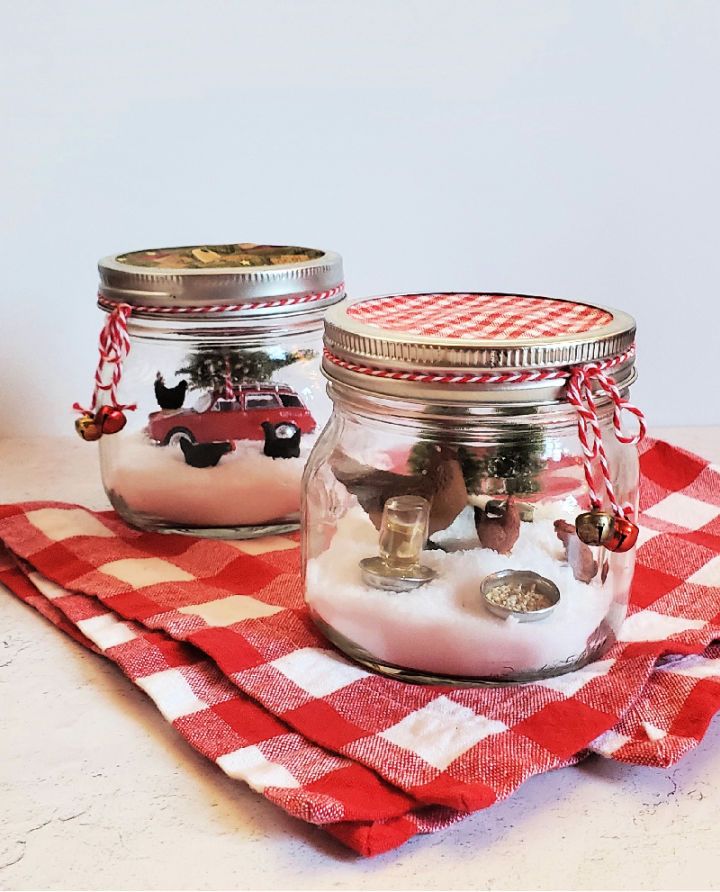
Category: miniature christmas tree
<point>213,368</point>
<point>510,469</point>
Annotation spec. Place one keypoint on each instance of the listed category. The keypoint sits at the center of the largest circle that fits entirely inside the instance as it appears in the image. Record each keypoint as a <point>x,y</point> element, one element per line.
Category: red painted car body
<point>236,418</point>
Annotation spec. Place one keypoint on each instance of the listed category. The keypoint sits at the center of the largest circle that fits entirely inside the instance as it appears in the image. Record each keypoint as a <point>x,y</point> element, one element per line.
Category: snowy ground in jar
<point>244,489</point>
<point>443,626</point>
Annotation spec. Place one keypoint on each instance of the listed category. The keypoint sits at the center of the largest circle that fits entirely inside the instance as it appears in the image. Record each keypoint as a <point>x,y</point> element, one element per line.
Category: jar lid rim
<point>219,285</point>
<point>360,347</point>
<point>403,342</point>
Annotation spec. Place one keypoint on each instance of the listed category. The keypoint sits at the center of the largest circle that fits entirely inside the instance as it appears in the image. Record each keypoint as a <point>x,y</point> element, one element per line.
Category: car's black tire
<point>178,433</point>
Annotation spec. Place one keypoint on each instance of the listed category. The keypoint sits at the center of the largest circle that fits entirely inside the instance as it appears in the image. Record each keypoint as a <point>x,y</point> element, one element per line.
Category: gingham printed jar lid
<point>485,317</point>
<point>270,279</point>
<point>463,334</point>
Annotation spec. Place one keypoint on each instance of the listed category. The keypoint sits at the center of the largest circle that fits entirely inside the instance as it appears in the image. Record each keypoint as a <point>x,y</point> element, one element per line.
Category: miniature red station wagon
<point>239,417</point>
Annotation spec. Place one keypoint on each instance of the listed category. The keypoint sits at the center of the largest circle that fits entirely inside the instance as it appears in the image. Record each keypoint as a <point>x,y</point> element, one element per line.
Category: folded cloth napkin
<point>216,633</point>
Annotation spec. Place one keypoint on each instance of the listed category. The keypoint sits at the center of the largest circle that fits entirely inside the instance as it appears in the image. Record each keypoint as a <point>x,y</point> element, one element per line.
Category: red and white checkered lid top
<point>484,317</point>
<point>418,337</point>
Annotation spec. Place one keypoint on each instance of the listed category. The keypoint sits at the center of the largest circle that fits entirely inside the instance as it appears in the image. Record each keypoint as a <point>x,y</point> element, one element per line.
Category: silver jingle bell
<point>595,527</point>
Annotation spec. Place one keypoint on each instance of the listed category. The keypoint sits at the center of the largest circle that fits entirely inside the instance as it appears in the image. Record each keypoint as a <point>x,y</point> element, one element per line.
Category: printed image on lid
<point>219,256</point>
<point>480,317</point>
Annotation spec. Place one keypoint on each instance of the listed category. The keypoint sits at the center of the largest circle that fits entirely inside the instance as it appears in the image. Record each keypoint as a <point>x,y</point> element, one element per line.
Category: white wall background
<point>562,148</point>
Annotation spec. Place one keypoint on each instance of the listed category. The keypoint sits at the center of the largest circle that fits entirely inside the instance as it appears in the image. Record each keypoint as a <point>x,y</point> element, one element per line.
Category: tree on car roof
<point>218,368</point>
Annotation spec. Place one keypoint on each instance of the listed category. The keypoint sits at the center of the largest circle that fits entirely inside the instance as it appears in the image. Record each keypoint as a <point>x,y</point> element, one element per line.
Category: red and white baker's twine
<point>579,389</point>
<point>115,342</point>
<point>229,308</point>
<point>114,347</point>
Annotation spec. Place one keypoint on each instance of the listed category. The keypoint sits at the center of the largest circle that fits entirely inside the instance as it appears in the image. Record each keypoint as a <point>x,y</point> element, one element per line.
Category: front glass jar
<point>441,501</point>
<point>223,369</point>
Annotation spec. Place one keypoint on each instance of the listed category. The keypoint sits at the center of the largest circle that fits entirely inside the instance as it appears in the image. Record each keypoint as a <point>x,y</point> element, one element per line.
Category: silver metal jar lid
<point>264,279</point>
<point>421,345</point>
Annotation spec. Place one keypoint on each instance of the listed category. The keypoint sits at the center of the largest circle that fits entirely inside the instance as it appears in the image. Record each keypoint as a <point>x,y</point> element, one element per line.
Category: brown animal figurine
<point>577,553</point>
<point>441,483</point>
<point>499,532</point>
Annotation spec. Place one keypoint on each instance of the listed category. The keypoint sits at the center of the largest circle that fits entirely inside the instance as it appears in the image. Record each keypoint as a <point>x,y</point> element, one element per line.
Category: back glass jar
<point>468,510</point>
<point>208,396</point>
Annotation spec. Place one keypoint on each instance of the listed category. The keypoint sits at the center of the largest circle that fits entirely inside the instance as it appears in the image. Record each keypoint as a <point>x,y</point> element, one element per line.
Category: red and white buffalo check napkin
<point>216,633</point>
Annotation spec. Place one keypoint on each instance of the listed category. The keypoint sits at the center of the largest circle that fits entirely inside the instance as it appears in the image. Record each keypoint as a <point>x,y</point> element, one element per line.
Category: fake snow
<point>444,627</point>
<point>246,488</point>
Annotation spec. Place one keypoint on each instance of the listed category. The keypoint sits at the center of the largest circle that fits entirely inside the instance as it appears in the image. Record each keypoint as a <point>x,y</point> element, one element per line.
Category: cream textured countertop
<point>98,791</point>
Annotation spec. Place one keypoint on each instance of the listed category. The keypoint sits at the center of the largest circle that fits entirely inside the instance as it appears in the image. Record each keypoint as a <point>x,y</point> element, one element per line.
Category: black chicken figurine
<point>281,440</point>
<point>204,455</point>
<point>169,397</point>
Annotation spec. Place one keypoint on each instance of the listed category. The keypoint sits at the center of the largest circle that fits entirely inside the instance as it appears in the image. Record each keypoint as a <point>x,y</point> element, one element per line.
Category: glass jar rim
<point>467,410</point>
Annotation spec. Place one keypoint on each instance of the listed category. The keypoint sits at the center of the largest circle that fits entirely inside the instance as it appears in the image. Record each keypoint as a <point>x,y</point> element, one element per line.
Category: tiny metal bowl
<point>523,579</point>
<point>376,573</point>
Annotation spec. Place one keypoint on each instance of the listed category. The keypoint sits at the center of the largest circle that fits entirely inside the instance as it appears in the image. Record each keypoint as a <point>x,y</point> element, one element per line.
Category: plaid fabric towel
<point>216,633</point>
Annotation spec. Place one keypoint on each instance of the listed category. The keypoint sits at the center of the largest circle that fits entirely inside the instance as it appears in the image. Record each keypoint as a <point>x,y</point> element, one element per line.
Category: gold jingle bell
<point>595,527</point>
<point>87,427</point>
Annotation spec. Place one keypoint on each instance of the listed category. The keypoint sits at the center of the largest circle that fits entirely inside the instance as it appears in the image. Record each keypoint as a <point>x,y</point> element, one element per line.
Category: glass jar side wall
<point>224,423</point>
<point>504,490</point>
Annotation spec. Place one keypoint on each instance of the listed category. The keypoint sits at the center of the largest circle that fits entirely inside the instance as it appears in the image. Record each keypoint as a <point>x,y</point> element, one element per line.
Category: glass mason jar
<point>212,356</point>
<point>458,526</point>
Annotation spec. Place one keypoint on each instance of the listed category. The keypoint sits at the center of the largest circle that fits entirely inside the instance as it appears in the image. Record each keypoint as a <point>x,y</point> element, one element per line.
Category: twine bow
<point>579,390</point>
<point>114,346</point>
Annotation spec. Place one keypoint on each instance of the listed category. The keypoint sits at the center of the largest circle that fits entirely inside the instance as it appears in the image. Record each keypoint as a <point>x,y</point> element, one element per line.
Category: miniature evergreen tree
<point>213,367</point>
<point>510,469</point>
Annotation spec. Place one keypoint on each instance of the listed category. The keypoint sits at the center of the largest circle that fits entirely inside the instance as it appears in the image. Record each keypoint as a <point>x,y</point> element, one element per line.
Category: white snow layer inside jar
<point>444,627</point>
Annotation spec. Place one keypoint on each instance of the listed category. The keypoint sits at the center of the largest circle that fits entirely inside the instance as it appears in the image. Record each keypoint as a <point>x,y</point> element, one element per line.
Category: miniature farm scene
<point>225,445</point>
<point>464,561</point>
